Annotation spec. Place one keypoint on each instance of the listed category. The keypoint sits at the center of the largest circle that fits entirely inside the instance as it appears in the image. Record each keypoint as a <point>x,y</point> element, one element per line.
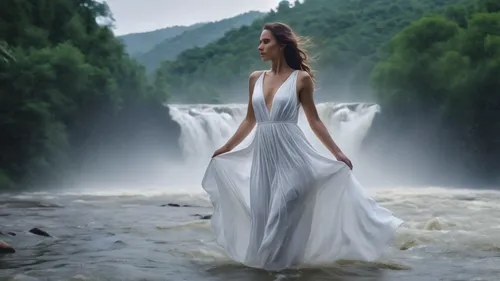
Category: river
<point>129,234</point>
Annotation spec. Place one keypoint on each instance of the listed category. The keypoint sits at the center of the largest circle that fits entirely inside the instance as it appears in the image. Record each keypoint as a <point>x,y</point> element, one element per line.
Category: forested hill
<point>67,89</point>
<point>169,48</point>
<point>346,36</point>
<point>440,84</point>
<point>139,43</point>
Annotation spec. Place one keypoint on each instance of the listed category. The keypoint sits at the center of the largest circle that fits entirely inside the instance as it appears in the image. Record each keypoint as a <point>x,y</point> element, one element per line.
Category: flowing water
<point>103,232</point>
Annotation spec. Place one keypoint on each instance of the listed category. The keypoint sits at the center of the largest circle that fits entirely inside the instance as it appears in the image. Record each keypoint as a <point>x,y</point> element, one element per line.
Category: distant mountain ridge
<point>153,47</point>
<point>196,37</point>
<point>141,42</point>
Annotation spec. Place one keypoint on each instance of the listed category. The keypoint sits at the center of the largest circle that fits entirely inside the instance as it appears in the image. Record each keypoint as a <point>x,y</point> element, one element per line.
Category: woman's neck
<point>279,66</point>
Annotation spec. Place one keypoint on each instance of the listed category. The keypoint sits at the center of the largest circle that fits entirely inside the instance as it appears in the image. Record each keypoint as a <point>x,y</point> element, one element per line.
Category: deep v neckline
<point>269,111</point>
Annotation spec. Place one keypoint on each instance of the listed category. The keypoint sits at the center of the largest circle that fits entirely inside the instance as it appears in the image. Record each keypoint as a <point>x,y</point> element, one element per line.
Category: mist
<point>155,152</point>
<point>177,157</point>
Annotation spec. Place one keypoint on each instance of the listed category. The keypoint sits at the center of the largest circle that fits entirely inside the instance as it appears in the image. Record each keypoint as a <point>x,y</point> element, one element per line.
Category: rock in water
<point>175,205</point>
<point>203,217</point>
<point>40,232</point>
<point>6,248</point>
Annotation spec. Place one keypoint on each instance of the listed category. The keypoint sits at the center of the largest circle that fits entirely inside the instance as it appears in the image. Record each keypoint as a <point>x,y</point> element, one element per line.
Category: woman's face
<point>269,48</point>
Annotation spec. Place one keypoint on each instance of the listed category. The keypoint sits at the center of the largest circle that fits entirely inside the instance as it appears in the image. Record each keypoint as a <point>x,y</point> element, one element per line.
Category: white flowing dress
<point>279,204</point>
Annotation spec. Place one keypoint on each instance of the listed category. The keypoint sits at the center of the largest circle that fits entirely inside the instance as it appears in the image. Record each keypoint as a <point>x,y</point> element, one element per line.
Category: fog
<point>386,158</point>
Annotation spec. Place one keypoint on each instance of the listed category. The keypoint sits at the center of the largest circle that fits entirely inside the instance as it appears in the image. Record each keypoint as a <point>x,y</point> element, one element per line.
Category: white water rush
<point>205,127</point>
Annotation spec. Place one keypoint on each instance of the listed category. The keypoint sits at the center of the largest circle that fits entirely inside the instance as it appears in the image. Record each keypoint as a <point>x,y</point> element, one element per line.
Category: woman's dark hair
<point>295,56</point>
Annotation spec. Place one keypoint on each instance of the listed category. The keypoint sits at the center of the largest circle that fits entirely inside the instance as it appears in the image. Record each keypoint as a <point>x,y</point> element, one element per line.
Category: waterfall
<point>203,129</point>
<point>206,127</point>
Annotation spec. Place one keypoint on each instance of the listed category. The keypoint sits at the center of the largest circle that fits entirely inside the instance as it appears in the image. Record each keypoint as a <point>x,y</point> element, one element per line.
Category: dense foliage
<point>61,75</point>
<point>447,67</point>
<point>198,37</point>
<point>346,39</point>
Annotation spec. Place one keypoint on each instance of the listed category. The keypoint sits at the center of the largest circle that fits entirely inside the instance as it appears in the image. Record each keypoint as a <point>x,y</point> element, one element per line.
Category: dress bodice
<point>285,105</point>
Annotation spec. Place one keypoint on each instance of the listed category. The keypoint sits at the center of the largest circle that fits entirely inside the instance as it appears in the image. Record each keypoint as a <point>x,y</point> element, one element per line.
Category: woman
<point>277,202</point>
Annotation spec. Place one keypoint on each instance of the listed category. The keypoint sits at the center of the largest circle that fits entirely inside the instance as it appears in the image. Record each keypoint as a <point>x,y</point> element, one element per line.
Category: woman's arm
<point>306,92</point>
<point>247,124</point>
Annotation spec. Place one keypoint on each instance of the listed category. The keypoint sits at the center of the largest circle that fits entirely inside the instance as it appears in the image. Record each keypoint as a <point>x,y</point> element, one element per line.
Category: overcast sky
<point>145,15</point>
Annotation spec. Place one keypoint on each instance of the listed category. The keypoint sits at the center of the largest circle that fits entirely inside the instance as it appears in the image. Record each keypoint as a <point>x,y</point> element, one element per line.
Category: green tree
<point>448,68</point>
<point>61,74</point>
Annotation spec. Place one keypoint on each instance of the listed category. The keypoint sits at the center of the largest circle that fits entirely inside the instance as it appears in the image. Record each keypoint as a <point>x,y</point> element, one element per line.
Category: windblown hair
<point>295,56</point>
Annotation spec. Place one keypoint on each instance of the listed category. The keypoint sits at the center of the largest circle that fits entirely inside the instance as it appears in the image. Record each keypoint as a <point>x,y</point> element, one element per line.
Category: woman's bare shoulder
<point>253,79</point>
<point>255,74</point>
<point>304,75</point>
